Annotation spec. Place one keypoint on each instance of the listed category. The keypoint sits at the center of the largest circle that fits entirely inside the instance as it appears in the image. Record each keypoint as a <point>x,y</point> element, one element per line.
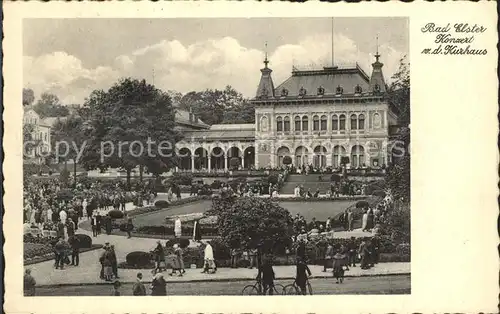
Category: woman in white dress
<point>365,220</point>
<point>178,228</point>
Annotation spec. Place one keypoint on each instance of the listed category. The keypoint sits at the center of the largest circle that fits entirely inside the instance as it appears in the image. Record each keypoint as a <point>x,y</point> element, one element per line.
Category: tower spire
<point>266,61</point>
<point>377,55</point>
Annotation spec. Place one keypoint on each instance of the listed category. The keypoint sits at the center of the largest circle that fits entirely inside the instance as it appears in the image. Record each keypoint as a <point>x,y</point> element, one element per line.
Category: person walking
<point>209,259</point>
<point>75,250</point>
<point>130,227</point>
<point>303,272</point>
<point>252,255</point>
<point>234,257</point>
<point>350,219</point>
<point>159,285</point>
<point>113,260</point>
<point>365,220</point>
<point>328,256</point>
<point>93,223</point>
<point>138,287</point>
<point>266,276</point>
<point>60,253</point>
<point>339,265</point>
<point>364,254</point>
<point>197,231</point>
<point>159,254</point>
<point>29,283</point>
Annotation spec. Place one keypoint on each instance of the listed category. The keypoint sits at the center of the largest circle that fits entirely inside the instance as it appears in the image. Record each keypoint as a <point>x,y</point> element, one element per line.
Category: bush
<point>378,193</point>
<point>138,259</point>
<point>216,184</point>
<point>182,178</point>
<point>116,214</point>
<point>362,204</point>
<point>335,178</point>
<point>85,241</point>
<point>403,250</point>
<point>161,204</point>
<point>32,250</point>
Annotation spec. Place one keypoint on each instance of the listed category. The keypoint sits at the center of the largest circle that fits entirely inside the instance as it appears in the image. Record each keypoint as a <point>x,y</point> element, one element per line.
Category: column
<point>209,163</point>
<point>192,163</point>
<point>256,155</point>
<point>243,161</point>
<point>225,163</point>
<point>329,161</point>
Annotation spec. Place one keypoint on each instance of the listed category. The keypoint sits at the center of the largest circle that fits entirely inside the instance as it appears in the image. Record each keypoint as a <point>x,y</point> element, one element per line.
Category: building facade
<point>315,116</point>
<point>39,130</point>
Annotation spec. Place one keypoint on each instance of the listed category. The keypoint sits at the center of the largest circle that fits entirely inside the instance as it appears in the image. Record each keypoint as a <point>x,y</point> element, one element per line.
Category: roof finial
<point>377,55</point>
<point>266,62</point>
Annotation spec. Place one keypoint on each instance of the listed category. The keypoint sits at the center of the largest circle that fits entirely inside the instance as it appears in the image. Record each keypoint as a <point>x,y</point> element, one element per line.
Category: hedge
<point>85,241</point>
<point>186,230</point>
<point>161,204</point>
<point>116,214</point>
<point>139,259</point>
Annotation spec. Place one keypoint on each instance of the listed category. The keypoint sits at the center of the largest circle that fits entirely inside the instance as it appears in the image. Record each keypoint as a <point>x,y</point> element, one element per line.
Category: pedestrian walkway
<point>88,273</point>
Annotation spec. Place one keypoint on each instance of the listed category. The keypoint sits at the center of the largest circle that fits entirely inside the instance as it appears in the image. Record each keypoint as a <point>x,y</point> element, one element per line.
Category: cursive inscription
<point>454,39</point>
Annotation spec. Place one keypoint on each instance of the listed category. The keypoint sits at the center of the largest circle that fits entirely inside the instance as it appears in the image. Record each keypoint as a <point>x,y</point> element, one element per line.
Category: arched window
<point>361,122</point>
<point>339,90</point>
<point>358,89</point>
<point>315,123</point>
<point>354,122</point>
<point>297,123</point>
<point>342,122</point>
<point>357,156</point>
<point>323,123</point>
<point>305,123</point>
<point>335,123</point>
<point>286,124</point>
<point>279,124</point>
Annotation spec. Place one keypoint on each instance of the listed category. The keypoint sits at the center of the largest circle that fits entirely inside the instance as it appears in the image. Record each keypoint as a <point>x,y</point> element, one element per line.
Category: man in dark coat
<point>139,288</point>
<point>114,261</point>
<point>75,250</point>
<point>266,276</point>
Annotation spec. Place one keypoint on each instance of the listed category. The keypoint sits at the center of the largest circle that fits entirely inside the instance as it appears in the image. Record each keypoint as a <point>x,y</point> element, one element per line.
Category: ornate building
<point>315,116</point>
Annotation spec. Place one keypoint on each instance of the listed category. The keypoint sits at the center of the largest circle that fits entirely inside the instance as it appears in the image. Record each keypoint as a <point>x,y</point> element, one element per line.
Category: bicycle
<point>293,289</point>
<point>256,289</point>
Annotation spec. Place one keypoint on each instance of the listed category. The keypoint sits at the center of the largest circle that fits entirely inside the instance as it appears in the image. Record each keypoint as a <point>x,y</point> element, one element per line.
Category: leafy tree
<point>253,223</point>
<point>49,105</point>
<point>219,106</point>
<point>28,96</point>
<point>397,224</point>
<point>399,91</point>
<point>68,136</point>
<point>129,125</point>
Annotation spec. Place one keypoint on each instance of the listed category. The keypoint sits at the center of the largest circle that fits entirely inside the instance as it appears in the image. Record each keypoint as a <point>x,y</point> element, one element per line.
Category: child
<point>116,288</point>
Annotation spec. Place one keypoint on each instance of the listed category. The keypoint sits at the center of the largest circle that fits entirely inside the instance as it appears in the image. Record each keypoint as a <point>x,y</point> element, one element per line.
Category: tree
<point>28,96</point>
<point>399,91</point>
<point>253,223</point>
<point>68,135</point>
<point>49,105</point>
<point>219,106</point>
<point>131,124</point>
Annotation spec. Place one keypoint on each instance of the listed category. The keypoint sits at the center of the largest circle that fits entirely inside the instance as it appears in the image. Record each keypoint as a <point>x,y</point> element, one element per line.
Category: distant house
<point>39,146</point>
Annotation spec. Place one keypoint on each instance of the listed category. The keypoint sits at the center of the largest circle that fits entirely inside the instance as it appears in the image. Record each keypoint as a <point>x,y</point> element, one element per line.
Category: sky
<point>72,57</point>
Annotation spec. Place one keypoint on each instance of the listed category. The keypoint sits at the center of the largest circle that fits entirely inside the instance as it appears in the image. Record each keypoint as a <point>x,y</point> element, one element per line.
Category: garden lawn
<point>320,210</point>
<point>158,218</point>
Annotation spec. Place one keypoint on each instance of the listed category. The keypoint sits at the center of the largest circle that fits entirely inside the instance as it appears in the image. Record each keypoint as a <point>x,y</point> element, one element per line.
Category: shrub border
<point>50,256</point>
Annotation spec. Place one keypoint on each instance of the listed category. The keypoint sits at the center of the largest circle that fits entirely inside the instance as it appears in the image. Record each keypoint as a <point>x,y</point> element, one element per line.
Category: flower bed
<point>321,198</point>
<point>186,230</point>
<point>40,252</point>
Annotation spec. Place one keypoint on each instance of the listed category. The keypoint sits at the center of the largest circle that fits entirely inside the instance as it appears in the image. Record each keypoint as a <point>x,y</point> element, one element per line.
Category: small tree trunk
<point>74,173</point>
<point>129,173</point>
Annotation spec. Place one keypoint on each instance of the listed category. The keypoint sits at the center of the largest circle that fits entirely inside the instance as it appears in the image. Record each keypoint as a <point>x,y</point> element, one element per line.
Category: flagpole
<point>332,47</point>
